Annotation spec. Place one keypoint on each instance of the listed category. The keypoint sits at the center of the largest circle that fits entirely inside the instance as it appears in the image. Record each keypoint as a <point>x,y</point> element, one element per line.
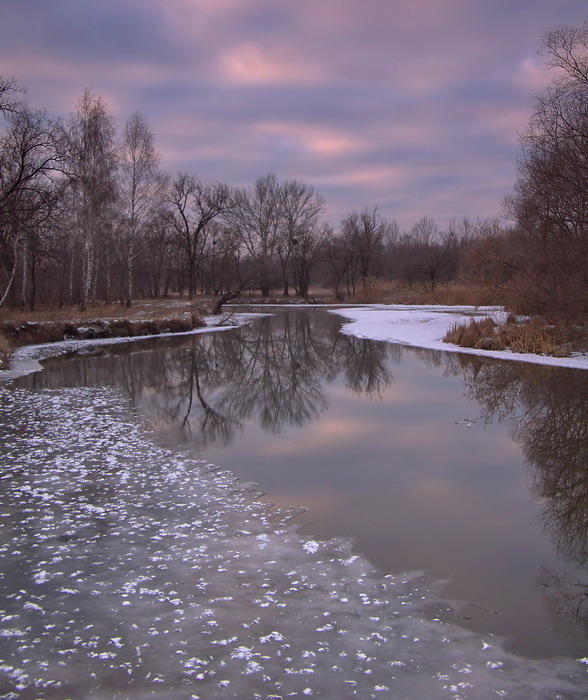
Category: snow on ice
<point>426,326</point>
<point>128,571</point>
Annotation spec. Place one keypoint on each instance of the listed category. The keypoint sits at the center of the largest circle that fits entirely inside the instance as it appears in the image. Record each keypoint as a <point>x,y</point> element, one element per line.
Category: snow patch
<point>426,326</point>
<point>162,585</point>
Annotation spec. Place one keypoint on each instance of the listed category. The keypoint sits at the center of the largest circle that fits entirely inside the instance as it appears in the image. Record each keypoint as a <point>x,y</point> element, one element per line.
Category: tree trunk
<point>25,277</point>
<point>12,275</point>
<point>130,264</point>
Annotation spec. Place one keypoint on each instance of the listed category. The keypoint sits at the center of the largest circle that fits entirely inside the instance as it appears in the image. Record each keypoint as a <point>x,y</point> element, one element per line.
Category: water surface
<point>471,469</point>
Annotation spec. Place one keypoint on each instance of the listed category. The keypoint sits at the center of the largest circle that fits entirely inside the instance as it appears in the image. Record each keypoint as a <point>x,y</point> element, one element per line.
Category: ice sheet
<point>130,571</point>
<point>425,327</point>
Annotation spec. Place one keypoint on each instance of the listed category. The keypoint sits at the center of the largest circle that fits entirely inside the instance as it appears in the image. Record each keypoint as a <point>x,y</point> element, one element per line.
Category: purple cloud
<point>413,105</point>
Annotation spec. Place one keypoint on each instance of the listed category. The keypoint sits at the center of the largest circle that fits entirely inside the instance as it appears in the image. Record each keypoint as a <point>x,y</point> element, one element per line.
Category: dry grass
<point>528,336</point>
<point>377,291</point>
<point>105,321</point>
<point>480,334</point>
<point>154,309</point>
<point>535,337</point>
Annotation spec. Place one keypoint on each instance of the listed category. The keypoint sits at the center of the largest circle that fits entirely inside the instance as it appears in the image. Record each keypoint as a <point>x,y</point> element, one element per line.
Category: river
<point>454,468</point>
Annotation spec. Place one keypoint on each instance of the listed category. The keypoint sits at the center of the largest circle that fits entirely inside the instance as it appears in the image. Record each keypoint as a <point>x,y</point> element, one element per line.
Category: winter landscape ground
<point>129,571</point>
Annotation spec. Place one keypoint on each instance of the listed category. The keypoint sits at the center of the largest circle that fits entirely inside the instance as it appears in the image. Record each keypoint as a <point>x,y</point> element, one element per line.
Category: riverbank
<point>165,316</point>
<point>18,328</point>
<point>427,327</point>
<point>150,317</point>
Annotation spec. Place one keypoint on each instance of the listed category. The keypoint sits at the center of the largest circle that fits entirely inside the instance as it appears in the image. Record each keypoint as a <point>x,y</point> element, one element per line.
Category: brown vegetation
<point>525,336</point>
<point>107,321</point>
<point>5,351</point>
<point>380,291</point>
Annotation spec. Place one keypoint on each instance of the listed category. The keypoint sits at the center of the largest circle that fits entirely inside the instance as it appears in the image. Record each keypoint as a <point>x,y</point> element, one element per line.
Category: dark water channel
<point>471,469</point>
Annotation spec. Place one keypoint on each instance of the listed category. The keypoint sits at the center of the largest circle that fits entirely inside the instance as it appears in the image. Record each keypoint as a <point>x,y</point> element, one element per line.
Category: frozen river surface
<point>128,571</point>
<point>131,571</point>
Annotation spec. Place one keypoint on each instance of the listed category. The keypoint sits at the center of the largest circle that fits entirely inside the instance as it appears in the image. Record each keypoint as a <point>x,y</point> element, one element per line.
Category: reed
<point>521,336</point>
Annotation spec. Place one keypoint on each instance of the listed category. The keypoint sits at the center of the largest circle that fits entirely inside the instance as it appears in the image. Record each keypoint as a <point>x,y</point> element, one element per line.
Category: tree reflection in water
<point>274,372</point>
<point>207,385</point>
<point>279,372</point>
<point>549,413</point>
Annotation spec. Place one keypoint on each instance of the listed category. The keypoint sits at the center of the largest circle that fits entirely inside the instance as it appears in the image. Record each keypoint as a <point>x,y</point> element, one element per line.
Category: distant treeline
<point>87,215</point>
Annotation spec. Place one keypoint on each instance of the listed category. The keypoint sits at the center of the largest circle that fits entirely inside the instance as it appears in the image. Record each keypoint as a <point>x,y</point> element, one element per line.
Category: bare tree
<point>365,235</point>
<point>426,254</point>
<point>550,204</point>
<point>339,258</point>
<point>425,231</point>
<point>257,217</point>
<point>490,258</point>
<point>92,156</point>
<point>141,188</point>
<point>299,210</point>
<point>308,253</point>
<point>195,206</point>
<point>159,253</point>
<point>9,102</point>
<point>31,162</point>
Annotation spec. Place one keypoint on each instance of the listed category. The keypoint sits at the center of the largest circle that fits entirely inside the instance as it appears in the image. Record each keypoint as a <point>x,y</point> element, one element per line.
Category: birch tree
<point>92,165</point>
<point>141,188</point>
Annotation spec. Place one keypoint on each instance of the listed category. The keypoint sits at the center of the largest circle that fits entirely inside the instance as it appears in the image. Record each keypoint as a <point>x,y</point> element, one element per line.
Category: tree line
<point>87,215</point>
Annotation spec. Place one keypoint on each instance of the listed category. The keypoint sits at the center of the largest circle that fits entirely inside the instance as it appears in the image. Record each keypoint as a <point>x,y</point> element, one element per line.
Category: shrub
<point>479,334</point>
<point>533,336</point>
<point>528,336</point>
<point>181,325</point>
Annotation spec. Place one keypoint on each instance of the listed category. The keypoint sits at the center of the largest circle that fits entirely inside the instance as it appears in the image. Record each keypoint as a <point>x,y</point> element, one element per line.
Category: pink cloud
<point>250,63</point>
<point>377,177</point>
<point>321,141</point>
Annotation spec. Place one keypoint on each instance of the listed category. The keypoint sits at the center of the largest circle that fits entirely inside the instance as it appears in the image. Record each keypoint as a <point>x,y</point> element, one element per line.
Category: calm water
<point>472,470</point>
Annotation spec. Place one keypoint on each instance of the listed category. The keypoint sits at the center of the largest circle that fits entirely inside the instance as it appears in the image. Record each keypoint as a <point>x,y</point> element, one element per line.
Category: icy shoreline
<point>417,326</point>
<point>130,571</point>
<point>425,327</point>
<point>27,359</point>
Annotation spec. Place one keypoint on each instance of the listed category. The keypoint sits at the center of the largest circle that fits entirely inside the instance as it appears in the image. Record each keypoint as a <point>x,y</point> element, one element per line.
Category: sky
<point>413,106</point>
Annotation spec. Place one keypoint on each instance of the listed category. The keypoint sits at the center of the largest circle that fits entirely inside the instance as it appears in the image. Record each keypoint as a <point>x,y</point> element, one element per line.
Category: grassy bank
<point>104,321</point>
<point>533,335</point>
<point>377,291</point>
<point>374,290</point>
